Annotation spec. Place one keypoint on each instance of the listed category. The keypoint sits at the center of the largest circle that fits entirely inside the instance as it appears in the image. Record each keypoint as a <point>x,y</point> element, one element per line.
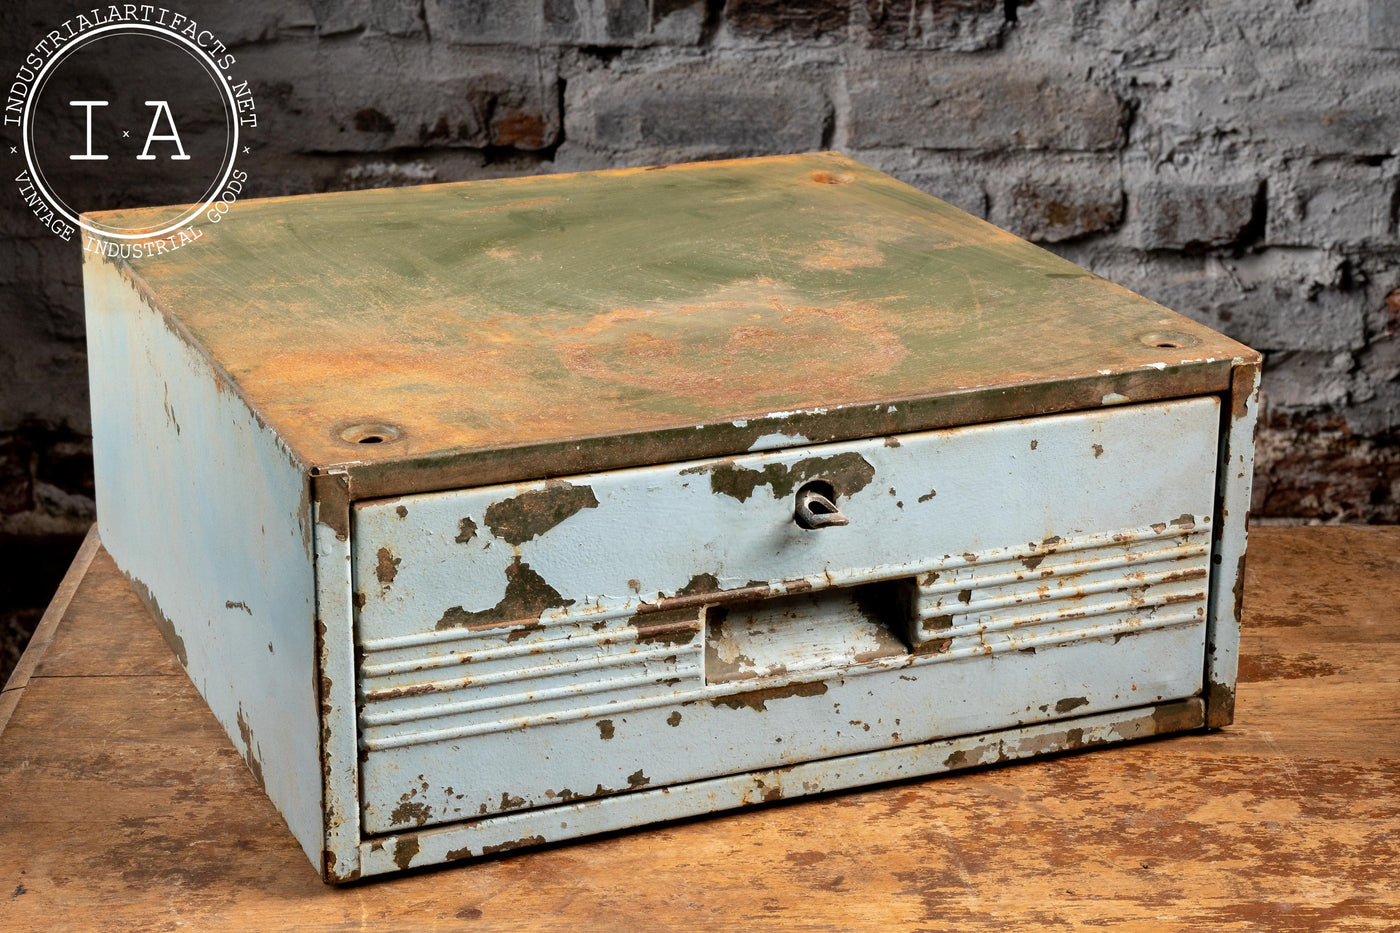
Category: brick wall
<point>1232,159</point>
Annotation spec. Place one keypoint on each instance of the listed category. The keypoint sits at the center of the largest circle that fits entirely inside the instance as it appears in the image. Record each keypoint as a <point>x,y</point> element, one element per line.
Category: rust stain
<point>605,728</point>
<point>1098,450</point>
<point>405,850</point>
<point>531,514</point>
<point>526,597</point>
<point>823,177</point>
<point>1220,705</point>
<point>1241,388</point>
<point>513,844</point>
<point>518,633</point>
<point>839,254</point>
<point>757,700</point>
<point>466,530</point>
<point>674,627</point>
<point>388,566</point>
<point>395,693</point>
<point>848,474</point>
<point>409,811</point>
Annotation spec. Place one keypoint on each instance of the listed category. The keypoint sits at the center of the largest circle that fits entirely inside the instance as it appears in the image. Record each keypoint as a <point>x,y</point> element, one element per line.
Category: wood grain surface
<point>123,806</point>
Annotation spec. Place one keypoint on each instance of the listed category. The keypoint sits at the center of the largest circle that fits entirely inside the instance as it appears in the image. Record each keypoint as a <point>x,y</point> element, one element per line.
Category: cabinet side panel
<point>208,515</point>
<point>1234,480</point>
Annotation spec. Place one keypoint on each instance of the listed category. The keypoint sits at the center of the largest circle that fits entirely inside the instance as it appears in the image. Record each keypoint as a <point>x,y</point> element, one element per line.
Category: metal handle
<point>815,510</point>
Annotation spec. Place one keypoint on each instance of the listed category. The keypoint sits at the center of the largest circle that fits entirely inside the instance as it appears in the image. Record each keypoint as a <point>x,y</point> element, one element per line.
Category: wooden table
<point>124,807</point>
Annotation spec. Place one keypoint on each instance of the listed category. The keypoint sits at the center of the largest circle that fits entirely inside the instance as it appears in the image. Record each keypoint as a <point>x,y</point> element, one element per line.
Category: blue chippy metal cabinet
<point>492,514</point>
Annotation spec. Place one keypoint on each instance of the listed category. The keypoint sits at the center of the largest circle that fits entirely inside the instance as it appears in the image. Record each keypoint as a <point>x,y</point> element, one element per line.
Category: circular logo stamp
<point>124,107</point>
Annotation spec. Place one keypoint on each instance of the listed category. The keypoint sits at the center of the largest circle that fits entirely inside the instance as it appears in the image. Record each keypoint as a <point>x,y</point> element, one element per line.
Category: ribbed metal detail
<point>1123,580</point>
<point>408,697</point>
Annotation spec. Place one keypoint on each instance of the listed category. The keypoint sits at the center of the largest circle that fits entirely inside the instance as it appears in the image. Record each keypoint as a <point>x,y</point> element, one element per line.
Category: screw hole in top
<point>367,433</point>
<point>1168,341</point>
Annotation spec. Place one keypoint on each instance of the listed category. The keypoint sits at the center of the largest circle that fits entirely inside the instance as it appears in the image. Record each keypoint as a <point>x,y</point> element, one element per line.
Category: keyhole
<point>816,506</point>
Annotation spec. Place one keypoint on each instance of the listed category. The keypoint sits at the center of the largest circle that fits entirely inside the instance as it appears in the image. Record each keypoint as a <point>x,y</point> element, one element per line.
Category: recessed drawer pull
<point>815,508</point>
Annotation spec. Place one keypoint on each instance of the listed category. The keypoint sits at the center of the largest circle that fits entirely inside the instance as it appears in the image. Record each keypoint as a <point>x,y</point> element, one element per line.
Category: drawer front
<point>530,644</point>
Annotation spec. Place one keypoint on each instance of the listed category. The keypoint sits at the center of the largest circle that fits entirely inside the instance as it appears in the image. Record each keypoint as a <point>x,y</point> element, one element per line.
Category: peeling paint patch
<point>231,604</point>
<point>699,584</point>
<point>928,495</point>
<point>404,851</point>
<point>513,844</point>
<point>1098,450</point>
<point>388,566</point>
<point>409,811</point>
<point>1070,703</point>
<point>605,728</point>
<point>531,514</point>
<point>757,700</point>
<point>245,730</point>
<point>674,719</point>
<point>637,780</point>
<point>167,628</point>
<point>401,511</point>
<point>466,530</point>
<point>777,440</point>
<point>527,596</point>
<point>847,472</point>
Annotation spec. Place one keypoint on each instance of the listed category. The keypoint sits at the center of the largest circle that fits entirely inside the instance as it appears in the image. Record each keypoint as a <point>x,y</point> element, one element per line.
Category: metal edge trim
<point>525,829</point>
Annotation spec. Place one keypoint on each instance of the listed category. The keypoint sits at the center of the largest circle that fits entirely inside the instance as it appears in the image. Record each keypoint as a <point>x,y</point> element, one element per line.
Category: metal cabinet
<point>492,514</point>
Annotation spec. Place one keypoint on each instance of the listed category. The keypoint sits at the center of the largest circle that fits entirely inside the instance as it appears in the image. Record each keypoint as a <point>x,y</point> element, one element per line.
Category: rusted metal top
<point>424,338</point>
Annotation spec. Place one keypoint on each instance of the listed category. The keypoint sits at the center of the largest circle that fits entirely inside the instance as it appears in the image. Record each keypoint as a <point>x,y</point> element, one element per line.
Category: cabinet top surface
<point>516,314</point>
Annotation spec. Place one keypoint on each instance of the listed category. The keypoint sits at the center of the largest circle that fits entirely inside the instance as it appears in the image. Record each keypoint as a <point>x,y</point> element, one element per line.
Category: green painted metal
<point>487,330</point>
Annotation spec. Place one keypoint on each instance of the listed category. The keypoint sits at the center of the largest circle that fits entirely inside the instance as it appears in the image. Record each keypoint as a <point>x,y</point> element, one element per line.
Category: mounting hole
<point>1168,340</point>
<point>368,433</point>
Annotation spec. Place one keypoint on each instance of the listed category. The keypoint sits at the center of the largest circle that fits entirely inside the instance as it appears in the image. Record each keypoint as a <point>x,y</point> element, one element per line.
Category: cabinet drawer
<point>529,644</point>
